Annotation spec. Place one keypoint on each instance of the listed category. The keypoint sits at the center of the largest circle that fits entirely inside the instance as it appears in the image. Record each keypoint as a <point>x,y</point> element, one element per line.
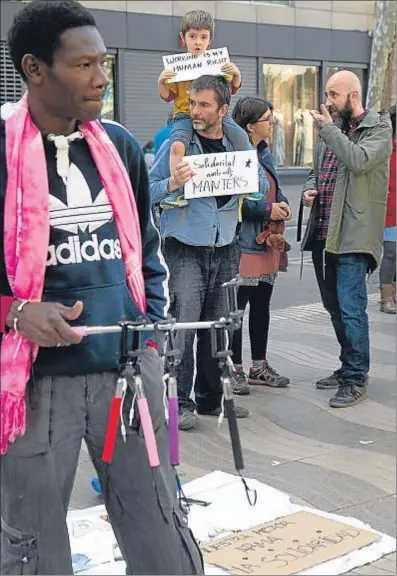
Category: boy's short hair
<point>197,20</point>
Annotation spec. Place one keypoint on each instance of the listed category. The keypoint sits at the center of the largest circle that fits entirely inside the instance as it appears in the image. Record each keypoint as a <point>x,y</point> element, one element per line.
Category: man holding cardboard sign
<point>200,244</point>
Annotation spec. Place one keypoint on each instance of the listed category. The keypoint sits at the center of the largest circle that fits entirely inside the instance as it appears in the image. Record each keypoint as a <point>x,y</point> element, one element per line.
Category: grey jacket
<point>359,201</point>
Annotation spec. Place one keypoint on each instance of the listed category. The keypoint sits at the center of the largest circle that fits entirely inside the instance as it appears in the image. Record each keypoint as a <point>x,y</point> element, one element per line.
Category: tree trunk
<point>382,86</point>
<point>389,93</point>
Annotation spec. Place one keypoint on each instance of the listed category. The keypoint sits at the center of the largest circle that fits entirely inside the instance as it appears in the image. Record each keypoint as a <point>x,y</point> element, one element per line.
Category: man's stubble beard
<point>206,127</point>
<point>200,126</point>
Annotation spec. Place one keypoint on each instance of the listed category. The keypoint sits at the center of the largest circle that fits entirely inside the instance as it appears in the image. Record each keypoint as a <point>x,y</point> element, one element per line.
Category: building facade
<point>286,50</point>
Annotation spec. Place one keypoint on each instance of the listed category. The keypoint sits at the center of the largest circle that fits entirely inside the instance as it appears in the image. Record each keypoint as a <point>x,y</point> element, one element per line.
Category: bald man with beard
<point>347,190</point>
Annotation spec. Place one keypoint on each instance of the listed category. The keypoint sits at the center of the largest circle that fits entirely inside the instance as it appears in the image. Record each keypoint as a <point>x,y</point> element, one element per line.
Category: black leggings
<point>259,320</point>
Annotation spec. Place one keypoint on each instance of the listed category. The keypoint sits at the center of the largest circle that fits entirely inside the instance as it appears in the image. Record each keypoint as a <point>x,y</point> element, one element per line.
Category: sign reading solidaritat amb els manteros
<point>222,174</point>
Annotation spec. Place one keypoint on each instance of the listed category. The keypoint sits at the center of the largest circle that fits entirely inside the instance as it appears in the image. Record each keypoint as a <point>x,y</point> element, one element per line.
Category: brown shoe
<point>387,303</point>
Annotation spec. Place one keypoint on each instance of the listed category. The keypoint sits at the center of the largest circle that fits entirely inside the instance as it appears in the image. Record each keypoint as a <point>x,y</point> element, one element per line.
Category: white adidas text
<point>75,252</point>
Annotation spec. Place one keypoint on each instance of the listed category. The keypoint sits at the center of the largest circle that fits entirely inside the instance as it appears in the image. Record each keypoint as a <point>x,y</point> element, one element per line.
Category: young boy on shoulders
<point>197,32</point>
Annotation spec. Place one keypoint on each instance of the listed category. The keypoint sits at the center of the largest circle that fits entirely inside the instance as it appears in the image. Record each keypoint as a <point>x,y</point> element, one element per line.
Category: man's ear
<point>33,69</point>
<point>182,41</point>
<point>354,94</point>
<point>223,110</point>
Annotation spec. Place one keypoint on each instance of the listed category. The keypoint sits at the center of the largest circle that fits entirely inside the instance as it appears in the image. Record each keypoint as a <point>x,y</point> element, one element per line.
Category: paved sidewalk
<point>341,461</point>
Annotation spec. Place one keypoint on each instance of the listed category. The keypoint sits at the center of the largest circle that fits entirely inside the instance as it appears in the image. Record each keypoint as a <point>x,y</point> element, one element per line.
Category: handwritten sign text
<point>191,66</point>
<point>285,546</point>
<point>223,174</point>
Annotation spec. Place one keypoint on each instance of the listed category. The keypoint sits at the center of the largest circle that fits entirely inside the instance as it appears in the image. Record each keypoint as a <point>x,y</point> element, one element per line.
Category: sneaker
<point>239,410</point>
<point>349,394</point>
<point>333,381</point>
<point>265,375</point>
<point>188,420</point>
<point>255,196</point>
<point>387,303</point>
<point>96,485</point>
<point>173,201</point>
<point>388,306</point>
<point>240,384</point>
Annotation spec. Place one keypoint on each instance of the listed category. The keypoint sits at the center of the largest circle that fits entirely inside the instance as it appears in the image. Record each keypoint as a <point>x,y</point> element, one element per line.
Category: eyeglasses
<point>268,119</point>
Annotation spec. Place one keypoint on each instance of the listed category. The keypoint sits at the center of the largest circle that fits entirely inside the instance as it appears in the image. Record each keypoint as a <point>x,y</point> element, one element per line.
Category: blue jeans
<point>343,289</point>
<point>182,131</point>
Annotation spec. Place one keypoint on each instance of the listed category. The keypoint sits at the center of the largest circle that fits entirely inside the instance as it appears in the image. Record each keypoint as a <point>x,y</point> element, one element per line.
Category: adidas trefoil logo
<point>80,213</point>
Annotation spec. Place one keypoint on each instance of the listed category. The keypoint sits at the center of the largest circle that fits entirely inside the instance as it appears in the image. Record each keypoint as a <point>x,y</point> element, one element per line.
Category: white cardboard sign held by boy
<point>222,174</point>
<point>191,66</point>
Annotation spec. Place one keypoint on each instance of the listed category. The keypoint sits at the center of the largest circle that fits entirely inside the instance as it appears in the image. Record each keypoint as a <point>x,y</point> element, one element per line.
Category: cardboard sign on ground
<point>222,174</point>
<point>285,546</point>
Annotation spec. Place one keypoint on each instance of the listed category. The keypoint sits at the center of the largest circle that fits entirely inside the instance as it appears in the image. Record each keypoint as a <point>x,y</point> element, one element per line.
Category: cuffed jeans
<point>343,289</point>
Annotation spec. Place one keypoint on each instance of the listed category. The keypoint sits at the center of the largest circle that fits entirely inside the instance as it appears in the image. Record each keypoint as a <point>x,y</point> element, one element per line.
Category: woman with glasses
<point>259,264</point>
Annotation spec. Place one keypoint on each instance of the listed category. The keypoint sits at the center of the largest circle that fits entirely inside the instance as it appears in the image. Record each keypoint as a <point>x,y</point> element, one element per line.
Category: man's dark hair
<point>249,110</point>
<point>216,83</point>
<point>392,113</point>
<point>37,29</point>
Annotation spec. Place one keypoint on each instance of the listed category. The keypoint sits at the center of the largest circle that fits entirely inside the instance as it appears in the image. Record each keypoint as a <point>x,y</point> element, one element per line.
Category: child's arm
<point>165,89</point>
<point>235,73</point>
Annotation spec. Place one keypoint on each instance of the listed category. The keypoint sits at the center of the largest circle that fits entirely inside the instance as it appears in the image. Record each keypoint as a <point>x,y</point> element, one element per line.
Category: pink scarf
<point>26,238</point>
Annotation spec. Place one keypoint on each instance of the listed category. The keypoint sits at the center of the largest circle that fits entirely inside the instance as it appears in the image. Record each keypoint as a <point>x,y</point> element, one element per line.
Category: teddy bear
<point>273,235</point>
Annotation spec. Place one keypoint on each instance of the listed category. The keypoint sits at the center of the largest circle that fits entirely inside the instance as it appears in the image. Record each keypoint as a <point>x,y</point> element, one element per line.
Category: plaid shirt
<point>327,182</point>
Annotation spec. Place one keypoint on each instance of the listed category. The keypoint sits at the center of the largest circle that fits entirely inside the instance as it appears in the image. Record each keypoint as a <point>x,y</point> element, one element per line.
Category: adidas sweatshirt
<point>84,259</point>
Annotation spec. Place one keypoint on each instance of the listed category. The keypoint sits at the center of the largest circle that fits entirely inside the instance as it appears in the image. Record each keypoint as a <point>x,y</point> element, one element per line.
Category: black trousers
<point>258,298</point>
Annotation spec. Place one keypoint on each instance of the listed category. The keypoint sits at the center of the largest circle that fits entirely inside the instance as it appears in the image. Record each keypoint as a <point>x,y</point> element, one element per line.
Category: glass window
<point>279,2</point>
<point>360,72</point>
<point>293,91</point>
<point>109,101</point>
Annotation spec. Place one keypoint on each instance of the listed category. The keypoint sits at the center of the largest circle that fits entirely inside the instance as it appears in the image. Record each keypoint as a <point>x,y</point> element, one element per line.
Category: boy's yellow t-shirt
<point>180,94</point>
